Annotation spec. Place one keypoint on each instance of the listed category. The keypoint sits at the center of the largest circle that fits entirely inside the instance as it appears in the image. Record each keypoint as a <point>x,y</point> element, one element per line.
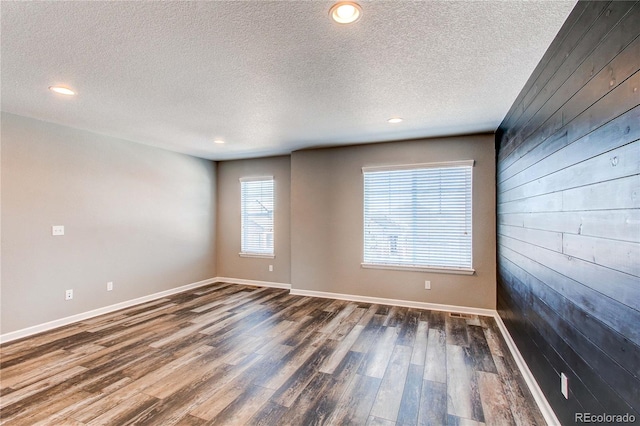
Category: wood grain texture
<point>230,354</point>
<point>568,176</point>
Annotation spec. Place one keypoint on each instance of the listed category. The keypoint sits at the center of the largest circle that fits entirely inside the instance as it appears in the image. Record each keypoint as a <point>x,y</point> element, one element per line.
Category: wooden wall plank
<point>619,255</point>
<point>547,239</point>
<point>617,163</point>
<point>541,203</point>
<point>613,194</point>
<point>615,224</point>
<point>608,195</point>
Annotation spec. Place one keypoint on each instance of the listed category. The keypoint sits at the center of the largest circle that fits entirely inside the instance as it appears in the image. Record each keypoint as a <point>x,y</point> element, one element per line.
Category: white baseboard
<point>29,331</point>
<point>543,404</point>
<point>253,282</point>
<point>396,302</point>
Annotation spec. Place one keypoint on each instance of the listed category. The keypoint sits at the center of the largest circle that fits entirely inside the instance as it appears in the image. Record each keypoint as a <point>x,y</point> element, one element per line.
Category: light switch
<point>57,230</point>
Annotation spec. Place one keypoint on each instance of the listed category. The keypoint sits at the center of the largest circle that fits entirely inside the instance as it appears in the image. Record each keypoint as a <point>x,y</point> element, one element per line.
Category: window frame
<point>420,268</point>
<point>244,253</point>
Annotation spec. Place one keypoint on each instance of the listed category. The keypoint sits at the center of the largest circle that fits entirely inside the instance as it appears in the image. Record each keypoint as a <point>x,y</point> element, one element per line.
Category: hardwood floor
<point>231,354</point>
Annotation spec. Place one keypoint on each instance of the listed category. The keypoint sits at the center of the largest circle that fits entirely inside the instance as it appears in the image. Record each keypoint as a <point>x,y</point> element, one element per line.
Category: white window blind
<point>418,216</point>
<point>257,201</point>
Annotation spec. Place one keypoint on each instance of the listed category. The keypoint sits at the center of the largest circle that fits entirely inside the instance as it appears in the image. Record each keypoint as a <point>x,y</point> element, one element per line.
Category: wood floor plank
<point>408,328</point>
<point>410,404</point>
<point>24,374</point>
<point>295,385</point>
<point>435,364</point>
<point>232,354</point>
<point>521,405</point>
<point>302,411</point>
<point>68,403</point>
<point>480,351</point>
<point>230,386</point>
<point>190,420</point>
<point>389,396</point>
<point>331,326</point>
<point>342,349</point>
<point>198,369</point>
<point>243,407</point>
<point>110,400</point>
<point>128,320</point>
<point>420,345</point>
<point>67,343</point>
<point>378,358</point>
<point>355,407</point>
<point>55,400</point>
<point>37,387</point>
<point>269,414</point>
<point>45,414</point>
<point>494,402</point>
<point>492,336</point>
<point>437,320</point>
<point>456,331</point>
<point>125,412</point>
<point>293,361</point>
<point>460,401</point>
<point>370,332</point>
<point>433,404</point>
<point>345,327</point>
<point>323,405</point>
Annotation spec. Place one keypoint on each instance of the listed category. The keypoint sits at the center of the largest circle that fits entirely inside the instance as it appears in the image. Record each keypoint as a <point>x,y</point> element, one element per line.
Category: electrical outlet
<point>110,286</point>
<point>57,230</point>
<point>427,285</point>
<point>270,268</point>
<point>564,385</point>
<point>68,295</point>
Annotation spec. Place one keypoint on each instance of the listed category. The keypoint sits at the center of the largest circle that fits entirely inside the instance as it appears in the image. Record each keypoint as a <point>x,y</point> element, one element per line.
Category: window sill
<point>259,255</point>
<point>457,271</point>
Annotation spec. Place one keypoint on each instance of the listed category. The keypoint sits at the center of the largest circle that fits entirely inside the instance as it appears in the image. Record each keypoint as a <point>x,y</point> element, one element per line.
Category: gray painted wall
<point>141,217</point>
<point>230,264</point>
<point>327,222</point>
<point>151,220</point>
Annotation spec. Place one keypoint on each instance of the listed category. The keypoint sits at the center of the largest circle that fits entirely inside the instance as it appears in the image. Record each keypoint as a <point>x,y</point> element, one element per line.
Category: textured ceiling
<point>271,77</point>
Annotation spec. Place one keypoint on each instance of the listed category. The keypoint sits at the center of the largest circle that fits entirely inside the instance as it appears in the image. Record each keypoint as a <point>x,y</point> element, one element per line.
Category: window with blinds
<point>257,202</point>
<point>418,216</point>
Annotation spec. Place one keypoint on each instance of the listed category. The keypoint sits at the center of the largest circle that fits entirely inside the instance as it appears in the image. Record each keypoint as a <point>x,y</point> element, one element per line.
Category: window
<point>256,197</point>
<point>418,216</point>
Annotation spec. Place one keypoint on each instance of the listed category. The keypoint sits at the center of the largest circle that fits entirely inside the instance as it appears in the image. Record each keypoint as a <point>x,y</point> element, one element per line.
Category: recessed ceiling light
<point>345,12</point>
<point>394,120</point>
<point>218,141</point>
<point>62,90</point>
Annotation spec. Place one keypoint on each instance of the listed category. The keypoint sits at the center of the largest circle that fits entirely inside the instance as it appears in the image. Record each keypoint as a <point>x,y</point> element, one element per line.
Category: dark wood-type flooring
<point>231,354</point>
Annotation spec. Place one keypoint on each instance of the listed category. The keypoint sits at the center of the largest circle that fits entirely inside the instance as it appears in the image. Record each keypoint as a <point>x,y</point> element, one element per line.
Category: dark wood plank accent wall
<point>569,214</point>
